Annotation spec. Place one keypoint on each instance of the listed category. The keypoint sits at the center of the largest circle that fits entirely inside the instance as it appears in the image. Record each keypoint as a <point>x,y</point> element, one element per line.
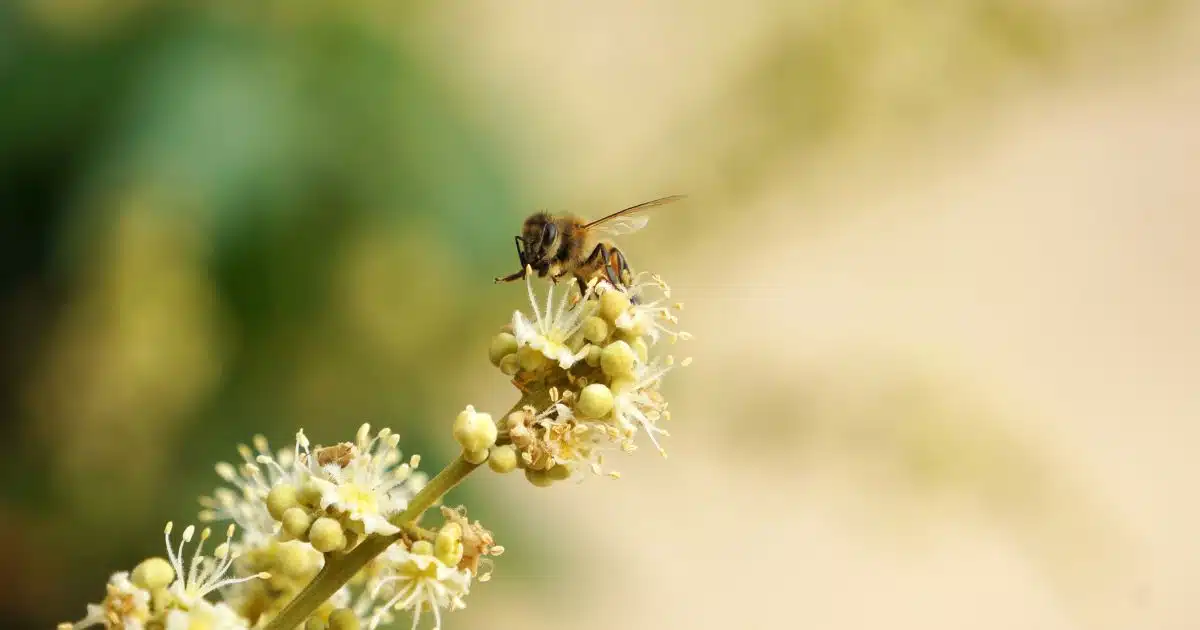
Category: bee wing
<point>621,225</point>
<point>630,219</point>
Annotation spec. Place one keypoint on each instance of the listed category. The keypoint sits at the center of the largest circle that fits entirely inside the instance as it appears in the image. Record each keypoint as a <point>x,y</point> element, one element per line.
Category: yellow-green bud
<point>575,342</point>
<point>510,365</point>
<point>153,573</point>
<point>422,548</point>
<point>343,619</point>
<point>595,401</point>
<point>474,431</point>
<point>502,345</point>
<point>559,473</point>
<point>310,495</point>
<point>315,623</point>
<point>595,329</point>
<point>531,360</point>
<point>296,522</point>
<point>447,546</point>
<point>280,498</point>
<point>326,535</point>
<point>538,478</point>
<point>593,356</point>
<point>617,359</point>
<point>612,304</point>
<point>476,457</point>
<point>640,349</point>
<point>503,459</point>
<point>293,560</point>
<point>160,598</point>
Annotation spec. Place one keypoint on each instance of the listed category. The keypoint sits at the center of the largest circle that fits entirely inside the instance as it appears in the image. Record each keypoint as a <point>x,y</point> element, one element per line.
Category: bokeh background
<point>939,260</point>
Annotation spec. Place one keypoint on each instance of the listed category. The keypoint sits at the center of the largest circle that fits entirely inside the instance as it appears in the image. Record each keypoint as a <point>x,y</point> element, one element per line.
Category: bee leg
<point>521,256</point>
<point>617,259</point>
<point>511,277</point>
<point>617,262</point>
<point>612,267</point>
<point>594,261</point>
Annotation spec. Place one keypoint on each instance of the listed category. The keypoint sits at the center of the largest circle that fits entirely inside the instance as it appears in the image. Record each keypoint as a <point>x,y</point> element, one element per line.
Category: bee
<point>562,245</point>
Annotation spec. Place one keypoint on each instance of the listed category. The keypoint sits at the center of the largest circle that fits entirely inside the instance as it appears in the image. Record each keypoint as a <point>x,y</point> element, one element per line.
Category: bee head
<point>539,239</point>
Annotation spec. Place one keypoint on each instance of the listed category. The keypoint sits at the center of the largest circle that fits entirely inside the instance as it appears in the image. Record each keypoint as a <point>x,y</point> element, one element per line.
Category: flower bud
<point>476,457</point>
<point>617,359</point>
<point>531,360</point>
<point>575,342</point>
<point>559,473</point>
<point>474,431</point>
<point>613,304</point>
<point>501,346</point>
<point>294,560</point>
<point>503,459</point>
<point>510,365</point>
<point>280,498</point>
<point>593,356</point>
<point>595,401</point>
<point>343,619</point>
<point>422,548</point>
<point>315,623</point>
<point>296,522</point>
<point>310,495</point>
<point>595,329</point>
<point>538,478</point>
<point>326,535</point>
<point>448,546</point>
<point>153,573</point>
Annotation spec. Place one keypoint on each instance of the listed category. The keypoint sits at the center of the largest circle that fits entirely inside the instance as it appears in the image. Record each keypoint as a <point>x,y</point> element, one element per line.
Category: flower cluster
<point>589,372</point>
<point>171,593</point>
<point>427,575</point>
<point>346,519</point>
<point>296,508</point>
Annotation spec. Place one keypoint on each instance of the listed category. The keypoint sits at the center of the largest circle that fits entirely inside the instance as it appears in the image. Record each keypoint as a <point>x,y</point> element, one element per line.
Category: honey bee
<point>561,245</point>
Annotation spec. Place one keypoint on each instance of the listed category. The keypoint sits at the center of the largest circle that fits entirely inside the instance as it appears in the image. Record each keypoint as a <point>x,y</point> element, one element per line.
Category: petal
<point>522,329</point>
<point>376,524</point>
<point>329,492</point>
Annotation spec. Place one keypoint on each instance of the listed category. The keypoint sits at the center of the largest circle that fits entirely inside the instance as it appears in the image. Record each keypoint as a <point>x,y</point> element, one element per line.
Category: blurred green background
<point>226,218</point>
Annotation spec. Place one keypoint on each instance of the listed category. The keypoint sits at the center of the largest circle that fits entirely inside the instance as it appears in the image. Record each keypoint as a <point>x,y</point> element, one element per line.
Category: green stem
<point>339,568</point>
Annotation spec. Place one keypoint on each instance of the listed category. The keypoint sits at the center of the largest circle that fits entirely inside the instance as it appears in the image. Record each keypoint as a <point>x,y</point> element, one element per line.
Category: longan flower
<point>207,616</point>
<point>637,404</point>
<point>550,331</point>
<point>260,471</point>
<point>170,594</point>
<point>417,581</point>
<point>569,440</point>
<point>125,606</point>
<point>203,575</point>
<point>646,316</point>
<point>362,481</point>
